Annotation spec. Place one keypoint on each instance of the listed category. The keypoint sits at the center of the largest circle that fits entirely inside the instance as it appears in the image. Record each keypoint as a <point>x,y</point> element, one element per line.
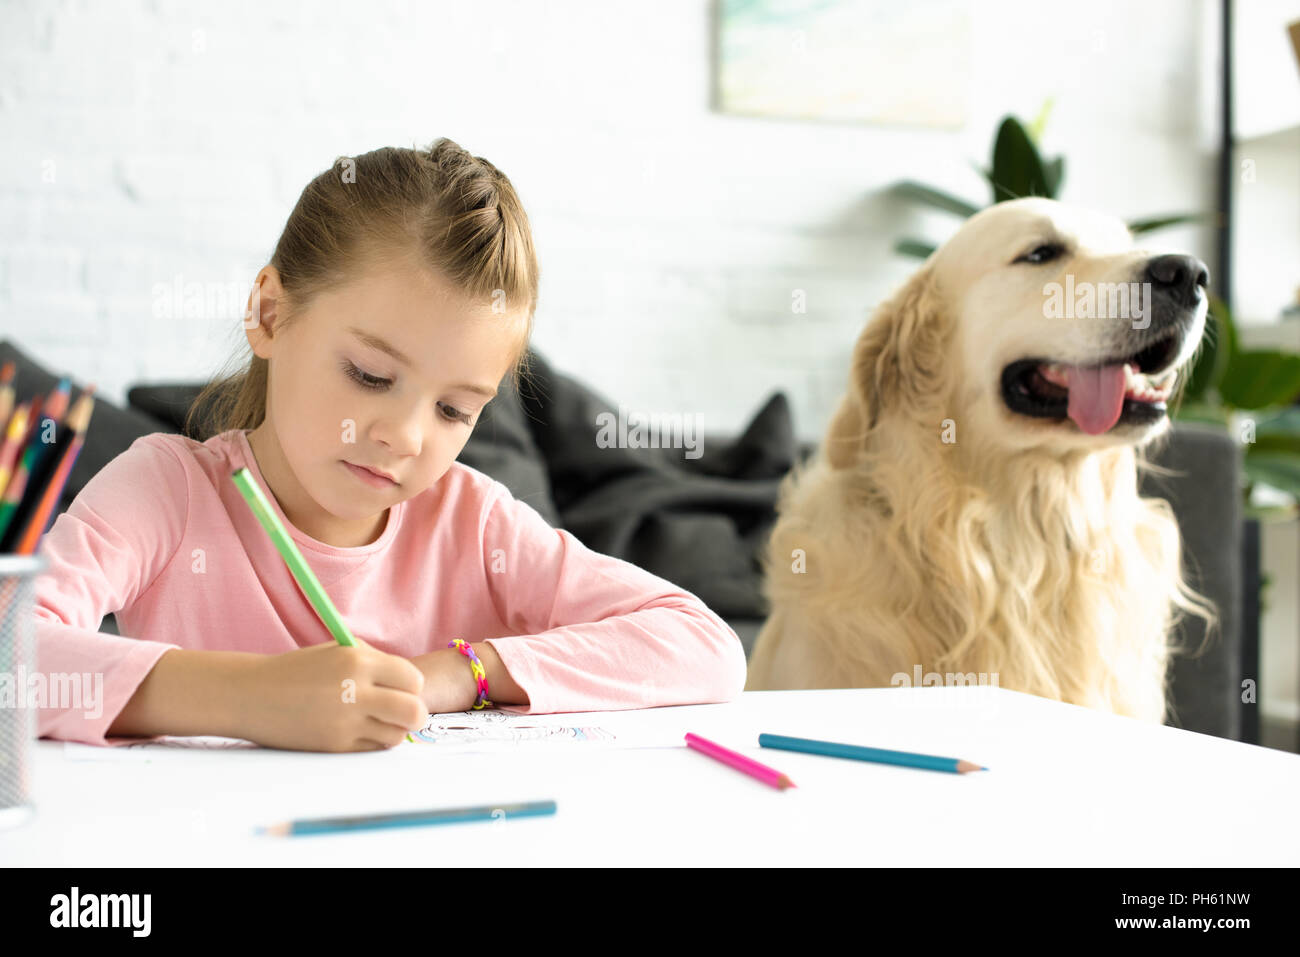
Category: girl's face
<point>389,372</point>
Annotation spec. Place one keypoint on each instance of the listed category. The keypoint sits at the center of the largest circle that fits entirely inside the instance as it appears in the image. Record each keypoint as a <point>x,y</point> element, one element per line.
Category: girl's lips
<point>369,477</point>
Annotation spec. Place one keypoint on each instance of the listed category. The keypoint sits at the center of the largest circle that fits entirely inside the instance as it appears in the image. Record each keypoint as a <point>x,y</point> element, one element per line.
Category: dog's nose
<point>1183,276</point>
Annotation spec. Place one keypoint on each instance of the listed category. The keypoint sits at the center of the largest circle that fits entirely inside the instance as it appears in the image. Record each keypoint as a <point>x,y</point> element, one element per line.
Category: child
<point>399,296</point>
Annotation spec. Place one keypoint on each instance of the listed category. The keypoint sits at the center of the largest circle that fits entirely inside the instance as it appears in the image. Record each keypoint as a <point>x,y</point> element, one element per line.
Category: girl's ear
<point>898,362</point>
<point>262,310</point>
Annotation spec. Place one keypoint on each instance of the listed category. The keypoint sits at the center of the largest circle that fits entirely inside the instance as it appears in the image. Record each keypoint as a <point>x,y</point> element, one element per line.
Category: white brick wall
<point>177,137</point>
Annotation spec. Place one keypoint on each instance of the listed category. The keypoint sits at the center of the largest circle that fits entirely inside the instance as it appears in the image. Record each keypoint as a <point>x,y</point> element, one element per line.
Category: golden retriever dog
<point>972,513</point>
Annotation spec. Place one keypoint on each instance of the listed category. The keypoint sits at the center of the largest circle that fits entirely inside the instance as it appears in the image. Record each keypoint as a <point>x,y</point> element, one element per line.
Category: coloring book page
<point>460,732</point>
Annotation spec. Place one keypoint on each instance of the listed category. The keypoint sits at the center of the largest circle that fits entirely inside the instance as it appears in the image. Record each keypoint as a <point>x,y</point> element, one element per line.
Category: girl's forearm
<point>188,692</point>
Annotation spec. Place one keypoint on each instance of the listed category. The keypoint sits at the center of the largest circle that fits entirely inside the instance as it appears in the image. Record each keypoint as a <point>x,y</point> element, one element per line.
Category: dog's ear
<point>899,361</point>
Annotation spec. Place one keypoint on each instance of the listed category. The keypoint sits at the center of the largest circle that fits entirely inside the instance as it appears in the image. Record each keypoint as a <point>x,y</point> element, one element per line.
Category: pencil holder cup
<point>17,657</point>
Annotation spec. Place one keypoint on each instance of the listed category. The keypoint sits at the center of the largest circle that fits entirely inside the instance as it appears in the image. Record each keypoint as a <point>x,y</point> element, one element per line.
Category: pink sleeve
<point>101,555</point>
<point>595,633</point>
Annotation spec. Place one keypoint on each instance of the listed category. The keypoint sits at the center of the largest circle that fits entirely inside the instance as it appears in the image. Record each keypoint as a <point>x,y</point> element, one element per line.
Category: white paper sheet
<point>461,732</point>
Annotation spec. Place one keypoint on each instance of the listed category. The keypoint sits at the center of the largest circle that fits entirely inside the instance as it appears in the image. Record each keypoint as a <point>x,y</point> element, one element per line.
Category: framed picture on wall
<point>844,60</point>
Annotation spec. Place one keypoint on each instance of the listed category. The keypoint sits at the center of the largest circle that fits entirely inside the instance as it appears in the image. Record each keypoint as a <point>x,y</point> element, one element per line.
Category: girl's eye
<point>454,415</point>
<point>364,379</point>
<point>1040,254</point>
<point>374,383</point>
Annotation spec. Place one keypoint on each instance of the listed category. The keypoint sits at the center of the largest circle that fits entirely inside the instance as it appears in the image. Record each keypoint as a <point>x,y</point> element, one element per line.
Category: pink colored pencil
<point>738,761</point>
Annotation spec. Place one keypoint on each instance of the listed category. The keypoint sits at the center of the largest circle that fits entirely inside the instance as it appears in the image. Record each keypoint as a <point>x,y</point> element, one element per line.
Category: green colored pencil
<point>302,573</point>
<point>856,752</point>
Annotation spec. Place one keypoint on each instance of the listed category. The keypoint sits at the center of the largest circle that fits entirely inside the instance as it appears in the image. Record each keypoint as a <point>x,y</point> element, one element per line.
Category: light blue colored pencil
<point>859,753</point>
<point>451,815</point>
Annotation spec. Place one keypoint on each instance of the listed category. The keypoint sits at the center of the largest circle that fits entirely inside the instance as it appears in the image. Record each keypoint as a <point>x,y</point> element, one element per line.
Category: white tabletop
<point>1067,786</point>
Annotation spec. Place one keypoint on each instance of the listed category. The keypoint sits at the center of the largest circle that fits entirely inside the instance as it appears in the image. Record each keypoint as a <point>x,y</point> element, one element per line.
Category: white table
<point>1067,786</point>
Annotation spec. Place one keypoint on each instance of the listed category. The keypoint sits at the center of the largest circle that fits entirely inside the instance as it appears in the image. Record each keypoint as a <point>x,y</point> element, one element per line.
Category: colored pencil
<point>33,420</point>
<point>44,407</point>
<point>35,468</point>
<point>859,753</point>
<point>7,391</point>
<point>59,400</point>
<point>13,494</point>
<point>453,815</point>
<point>302,573</point>
<point>738,761</point>
<point>28,448</point>
<point>65,457</point>
<point>13,442</point>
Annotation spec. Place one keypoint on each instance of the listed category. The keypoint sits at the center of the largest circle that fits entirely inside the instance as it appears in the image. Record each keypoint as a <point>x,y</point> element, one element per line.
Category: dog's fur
<point>936,527</point>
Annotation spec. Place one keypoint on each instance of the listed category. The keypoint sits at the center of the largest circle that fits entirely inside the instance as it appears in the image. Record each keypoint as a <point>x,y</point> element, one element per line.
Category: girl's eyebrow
<point>375,342</point>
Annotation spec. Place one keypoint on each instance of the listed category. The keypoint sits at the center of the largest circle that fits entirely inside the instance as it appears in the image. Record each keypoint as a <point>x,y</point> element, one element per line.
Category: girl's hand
<point>329,697</point>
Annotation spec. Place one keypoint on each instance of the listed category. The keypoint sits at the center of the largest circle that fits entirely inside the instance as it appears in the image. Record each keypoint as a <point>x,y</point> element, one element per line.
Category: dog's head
<point>1036,325</point>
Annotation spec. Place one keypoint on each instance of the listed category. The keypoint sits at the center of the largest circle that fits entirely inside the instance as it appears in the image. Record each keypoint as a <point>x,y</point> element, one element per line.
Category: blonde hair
<point>457,213</point>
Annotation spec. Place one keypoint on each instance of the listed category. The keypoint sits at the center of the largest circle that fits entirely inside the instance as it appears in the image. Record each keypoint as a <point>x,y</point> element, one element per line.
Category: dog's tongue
<point>1096,396</point>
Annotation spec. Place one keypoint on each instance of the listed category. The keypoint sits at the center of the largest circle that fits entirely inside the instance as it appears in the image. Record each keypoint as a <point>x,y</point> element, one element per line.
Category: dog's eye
<point>1040,254</point>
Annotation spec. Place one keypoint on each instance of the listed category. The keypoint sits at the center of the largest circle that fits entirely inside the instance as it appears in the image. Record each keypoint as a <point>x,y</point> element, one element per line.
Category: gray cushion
<point>1206,499</point>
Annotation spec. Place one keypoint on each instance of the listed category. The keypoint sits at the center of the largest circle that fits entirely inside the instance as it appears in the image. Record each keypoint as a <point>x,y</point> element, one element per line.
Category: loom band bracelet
<point>476,666</point>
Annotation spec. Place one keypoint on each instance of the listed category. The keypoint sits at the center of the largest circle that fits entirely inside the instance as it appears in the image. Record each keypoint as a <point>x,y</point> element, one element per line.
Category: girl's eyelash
<point>376,384</point>
<point>364,379</point>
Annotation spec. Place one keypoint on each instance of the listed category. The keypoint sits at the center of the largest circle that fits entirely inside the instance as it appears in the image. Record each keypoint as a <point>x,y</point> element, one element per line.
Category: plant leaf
<point>1278,422</point>
<point>1276,431</point>
<point>1224,315</point>
<point>1259,378</point>
<point>1278,469</point>
<point>1040,121</point>
<point>920,193</point>
<point>1054,170</point>
<point>1150,223</point>
<point>914,247</point>
<point>1017,167</point>
<point>1217,348</point>
<point>1275,442</point>
<point>1270,513</point>
<point>1197,411</point>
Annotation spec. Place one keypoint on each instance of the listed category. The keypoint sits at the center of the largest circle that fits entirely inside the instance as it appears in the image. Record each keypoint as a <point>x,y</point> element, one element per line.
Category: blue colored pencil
<point>859,753</point>
<point>451,815</point>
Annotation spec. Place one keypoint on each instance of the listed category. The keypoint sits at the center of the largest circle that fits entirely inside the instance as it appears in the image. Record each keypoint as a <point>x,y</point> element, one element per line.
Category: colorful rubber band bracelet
<point>480,675</point>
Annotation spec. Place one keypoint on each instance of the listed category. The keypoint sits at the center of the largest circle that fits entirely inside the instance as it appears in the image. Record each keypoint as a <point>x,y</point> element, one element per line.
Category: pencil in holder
<point>17,660</point>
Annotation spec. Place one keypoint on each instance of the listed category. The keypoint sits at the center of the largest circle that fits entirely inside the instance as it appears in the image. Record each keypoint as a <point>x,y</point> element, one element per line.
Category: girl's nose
<point>402,436</point>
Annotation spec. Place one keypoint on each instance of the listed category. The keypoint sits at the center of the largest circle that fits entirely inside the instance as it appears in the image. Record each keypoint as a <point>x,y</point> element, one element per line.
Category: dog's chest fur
<point>1059,583</point>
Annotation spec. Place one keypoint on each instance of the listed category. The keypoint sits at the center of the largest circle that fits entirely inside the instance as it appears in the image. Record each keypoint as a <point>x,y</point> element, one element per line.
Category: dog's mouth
<point>1129,390</point>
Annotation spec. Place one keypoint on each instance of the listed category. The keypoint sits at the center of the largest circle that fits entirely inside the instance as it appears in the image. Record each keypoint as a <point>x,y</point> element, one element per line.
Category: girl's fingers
<point>393,708</point>
<point>394,671</point>
<point>388,734</point>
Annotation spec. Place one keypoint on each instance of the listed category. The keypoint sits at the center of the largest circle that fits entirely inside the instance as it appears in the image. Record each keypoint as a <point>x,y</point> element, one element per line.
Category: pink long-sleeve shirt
<point>162,538</point>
